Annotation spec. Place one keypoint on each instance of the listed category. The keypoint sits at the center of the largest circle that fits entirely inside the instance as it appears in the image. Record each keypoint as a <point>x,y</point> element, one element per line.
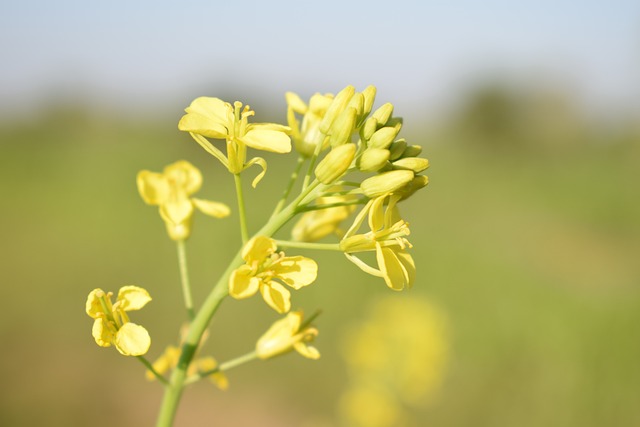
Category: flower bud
<point>343,127</point>
<point>420,181</point>
<point>382,138</point>
<point>386,182</point>
<point>338,104</point>
<point>412,151</point>
<point>397,149</point>
<point>336,163</point>
<point>369,97</point>
<point>416,164</point>
<point>369,128</point>
<point>357,102</point>
<point>383,113</point>
<point>373,159</point>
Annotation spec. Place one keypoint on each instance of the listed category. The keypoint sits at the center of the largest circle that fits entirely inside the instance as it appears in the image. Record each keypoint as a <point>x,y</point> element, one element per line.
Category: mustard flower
<point>263,267</point>
<point>171,191</point>
<point>214,118</point>
<point>112,325</point>
<point>286,335</point>
<point>387,238</point>
<point>169,360</point>
<point>316,224</point>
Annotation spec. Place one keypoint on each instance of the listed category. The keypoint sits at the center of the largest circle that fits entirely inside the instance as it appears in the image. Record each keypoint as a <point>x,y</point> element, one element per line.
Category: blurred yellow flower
<point>396,359</point>
<point>263,266</point>
<point>316,224</point>
<point>169,360</point>
<point>112,325</point>
<point>387,238</point>
<point>286,335</point>
<point>171,191</point>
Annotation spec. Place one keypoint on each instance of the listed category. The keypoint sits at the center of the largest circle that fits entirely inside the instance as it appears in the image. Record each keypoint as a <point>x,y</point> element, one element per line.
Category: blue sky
<point>141,54</point>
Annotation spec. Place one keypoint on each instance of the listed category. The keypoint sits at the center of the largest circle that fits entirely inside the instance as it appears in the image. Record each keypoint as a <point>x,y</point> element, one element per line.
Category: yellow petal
<point>101,333</point>
<point>167,361</point>
<point>295,102</point>
<point>376,214</point>
<point>279,337</point>
<point>392,270</point>
<point>276,296</point>
<point>307,351</point>
<point>202,125</point>
<point>258,249</point>
<point>214,108</point>
<point>409,266</point>
<point>132,340</point>
<point>153,187</point>
<point>184,176</point>
<point>260,162</point>
<point>242,284</point>
<point>132,298</point>
<point>296,271</point>
<point>93,306</point>
<point>267,140</point>
<point>178,211</point>
<point>214,209</point>
<point>206,364</point>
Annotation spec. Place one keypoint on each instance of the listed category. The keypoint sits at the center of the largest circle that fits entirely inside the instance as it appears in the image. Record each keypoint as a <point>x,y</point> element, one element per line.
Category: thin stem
<point>241,210</point>
<point>223,367</point>
<point>332,205</point>
<point>184,279</point>
<point>287,191</point>
<point>309,245</point>
<point>151,369</point>
<point>173,392</point>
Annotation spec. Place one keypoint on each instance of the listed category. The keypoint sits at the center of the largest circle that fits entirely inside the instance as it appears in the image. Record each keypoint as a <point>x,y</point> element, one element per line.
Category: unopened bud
<point>338,104</point>
<point>343,127</point>
<point>420,181</point>
<point>382,138</point>
<point>416,164</point>
<point>397,148</point>
<point>383,113</point>
<point>369,128</point>
<point>369,97</point>
<point>336,163</point>
<point>386,182</point>
<point>357,102</point>
<point>373,159</point>
<point>412,151</point>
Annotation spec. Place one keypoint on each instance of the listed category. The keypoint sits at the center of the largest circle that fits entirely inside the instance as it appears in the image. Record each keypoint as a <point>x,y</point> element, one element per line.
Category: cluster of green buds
<point>360,141</point>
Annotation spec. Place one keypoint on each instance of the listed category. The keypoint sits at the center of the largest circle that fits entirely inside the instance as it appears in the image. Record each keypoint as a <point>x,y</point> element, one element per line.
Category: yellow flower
<point>286,335</point>
<point>402,346</point>
<point>263,266</point>
<point>169,360</point>
<point>112,325</point>
<point>316,224</point>
<point>214,118</point>
<point>171,191</point>
<point>386,238</point>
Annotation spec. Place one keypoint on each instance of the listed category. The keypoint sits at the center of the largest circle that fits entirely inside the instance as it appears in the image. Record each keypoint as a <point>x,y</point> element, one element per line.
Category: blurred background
<point>527,307</point>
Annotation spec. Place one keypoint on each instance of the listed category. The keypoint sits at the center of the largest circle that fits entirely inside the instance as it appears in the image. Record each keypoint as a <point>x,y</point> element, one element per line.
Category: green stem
<point>201,321</point>
<point>309,245</point>
<point>241,209</point>
<point>223,367</point>
<point>184,279</point>
<point>332,205</point>
<point>150,367</point>
<point>287,191</point>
